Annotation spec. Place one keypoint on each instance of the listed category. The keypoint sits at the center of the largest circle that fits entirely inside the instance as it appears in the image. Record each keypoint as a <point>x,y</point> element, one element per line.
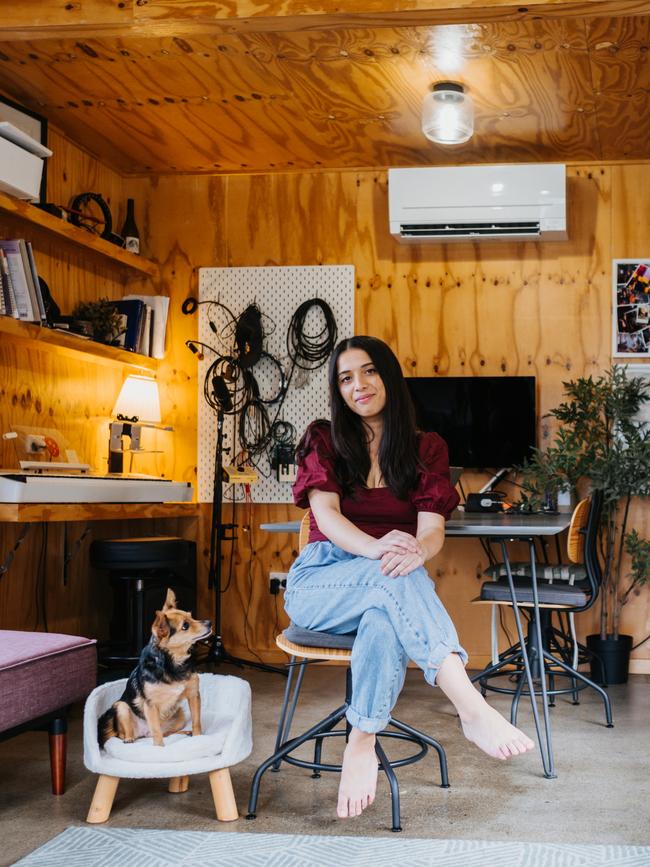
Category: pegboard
<point>278,292</point>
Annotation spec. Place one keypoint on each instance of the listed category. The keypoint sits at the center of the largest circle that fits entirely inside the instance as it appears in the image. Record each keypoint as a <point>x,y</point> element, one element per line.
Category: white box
<point>20,171</point>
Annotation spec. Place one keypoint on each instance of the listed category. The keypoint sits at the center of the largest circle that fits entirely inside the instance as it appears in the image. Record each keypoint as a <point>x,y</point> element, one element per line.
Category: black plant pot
<point>611,658</point>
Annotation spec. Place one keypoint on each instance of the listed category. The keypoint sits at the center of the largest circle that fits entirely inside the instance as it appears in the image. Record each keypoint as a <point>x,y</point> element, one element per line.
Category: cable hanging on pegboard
<point>265,336</point>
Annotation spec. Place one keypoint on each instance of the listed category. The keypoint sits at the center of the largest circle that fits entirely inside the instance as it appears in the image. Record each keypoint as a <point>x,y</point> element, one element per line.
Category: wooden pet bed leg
<point>179,784</point>
<point>223,795</point>
<point>100,807</point>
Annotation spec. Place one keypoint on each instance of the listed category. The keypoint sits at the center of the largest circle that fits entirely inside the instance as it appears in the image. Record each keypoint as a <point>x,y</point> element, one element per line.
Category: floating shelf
<point>58,342</point>
<point>75,235</point>
<point>29,513</point>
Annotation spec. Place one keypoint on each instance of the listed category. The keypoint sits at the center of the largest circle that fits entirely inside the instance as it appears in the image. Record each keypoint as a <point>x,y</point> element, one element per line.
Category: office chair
<point>309,645</point>
<point>564,589</point>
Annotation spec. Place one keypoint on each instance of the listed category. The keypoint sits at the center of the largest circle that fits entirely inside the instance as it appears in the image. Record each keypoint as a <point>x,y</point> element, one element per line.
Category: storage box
<point>20,171</point>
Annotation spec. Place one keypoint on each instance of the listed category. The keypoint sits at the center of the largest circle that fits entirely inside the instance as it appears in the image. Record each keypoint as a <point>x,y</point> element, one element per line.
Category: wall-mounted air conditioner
<point>471,203</point>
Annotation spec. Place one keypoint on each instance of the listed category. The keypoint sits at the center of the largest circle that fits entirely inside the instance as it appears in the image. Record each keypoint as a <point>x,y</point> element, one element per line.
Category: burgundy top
<point>377,511</point>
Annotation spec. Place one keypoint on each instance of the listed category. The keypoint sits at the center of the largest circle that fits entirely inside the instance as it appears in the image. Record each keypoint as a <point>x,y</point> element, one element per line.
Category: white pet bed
<point>225,741</point>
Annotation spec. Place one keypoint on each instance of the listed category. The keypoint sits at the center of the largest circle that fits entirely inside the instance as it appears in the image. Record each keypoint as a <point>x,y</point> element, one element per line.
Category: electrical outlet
<point>286,472</point>
<point>277,582</point>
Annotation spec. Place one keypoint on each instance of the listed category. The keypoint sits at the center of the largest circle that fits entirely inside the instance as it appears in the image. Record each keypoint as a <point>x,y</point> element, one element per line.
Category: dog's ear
<point>160,628</point>
<point>170,600</point>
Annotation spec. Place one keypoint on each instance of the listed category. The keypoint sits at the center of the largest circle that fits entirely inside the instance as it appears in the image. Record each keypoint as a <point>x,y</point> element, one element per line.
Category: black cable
<point>282,385</point>
<point>311,351</point>
<point>643,641</point>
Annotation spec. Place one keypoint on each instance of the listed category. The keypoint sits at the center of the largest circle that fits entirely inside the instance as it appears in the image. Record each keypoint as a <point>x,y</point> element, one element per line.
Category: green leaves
<point>639,551</point>
<point>600,439</point>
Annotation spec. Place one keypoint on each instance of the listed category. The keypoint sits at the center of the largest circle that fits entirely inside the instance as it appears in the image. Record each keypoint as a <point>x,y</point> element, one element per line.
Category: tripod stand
<point>218,530</point>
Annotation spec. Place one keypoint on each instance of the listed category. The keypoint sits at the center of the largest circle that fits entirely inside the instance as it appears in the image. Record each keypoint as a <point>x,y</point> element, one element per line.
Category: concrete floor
<point>601,794</point>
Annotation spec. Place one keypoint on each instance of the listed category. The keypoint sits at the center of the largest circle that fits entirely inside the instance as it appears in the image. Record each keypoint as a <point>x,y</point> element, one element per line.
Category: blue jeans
<point>395,619</point>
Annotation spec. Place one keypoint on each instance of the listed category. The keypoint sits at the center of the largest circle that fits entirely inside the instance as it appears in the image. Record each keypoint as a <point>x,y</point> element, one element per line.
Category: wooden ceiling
<point>206,87</point>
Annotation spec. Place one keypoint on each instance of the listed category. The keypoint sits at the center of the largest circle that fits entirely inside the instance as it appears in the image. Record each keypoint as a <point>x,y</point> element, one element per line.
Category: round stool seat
<point>154,552</point>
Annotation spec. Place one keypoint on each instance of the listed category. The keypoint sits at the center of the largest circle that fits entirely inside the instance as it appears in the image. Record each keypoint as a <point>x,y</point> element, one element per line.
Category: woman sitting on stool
<point>379,494</point>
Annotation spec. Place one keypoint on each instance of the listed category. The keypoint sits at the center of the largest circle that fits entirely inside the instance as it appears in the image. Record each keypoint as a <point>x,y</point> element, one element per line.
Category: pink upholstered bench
<point>41,674</point>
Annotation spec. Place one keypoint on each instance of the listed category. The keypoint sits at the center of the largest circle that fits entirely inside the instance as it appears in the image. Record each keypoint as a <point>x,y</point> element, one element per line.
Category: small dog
<point>164,676</point>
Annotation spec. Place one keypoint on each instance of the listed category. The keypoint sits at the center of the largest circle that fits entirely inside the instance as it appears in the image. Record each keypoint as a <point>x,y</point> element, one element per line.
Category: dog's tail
<point>106,727</point>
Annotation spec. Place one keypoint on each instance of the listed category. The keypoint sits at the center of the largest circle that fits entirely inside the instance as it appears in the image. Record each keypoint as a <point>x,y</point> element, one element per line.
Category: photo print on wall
<point>631,307</point>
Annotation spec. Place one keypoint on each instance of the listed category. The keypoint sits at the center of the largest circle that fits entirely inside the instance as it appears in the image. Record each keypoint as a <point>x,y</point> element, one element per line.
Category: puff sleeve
<point>434,491</point>
<point>315,466</point>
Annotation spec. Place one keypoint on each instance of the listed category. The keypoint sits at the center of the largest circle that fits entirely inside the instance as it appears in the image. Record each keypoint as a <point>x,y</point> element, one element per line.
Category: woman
<point>379,494</point>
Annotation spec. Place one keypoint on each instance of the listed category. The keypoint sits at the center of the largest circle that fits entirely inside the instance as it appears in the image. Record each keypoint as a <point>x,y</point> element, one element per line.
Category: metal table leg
<point>546,743</point>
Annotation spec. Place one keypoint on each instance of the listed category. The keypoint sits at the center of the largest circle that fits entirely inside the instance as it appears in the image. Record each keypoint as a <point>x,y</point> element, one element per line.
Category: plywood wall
<point>495,308</point>
<point>74,393</point>
<point>490,308</point>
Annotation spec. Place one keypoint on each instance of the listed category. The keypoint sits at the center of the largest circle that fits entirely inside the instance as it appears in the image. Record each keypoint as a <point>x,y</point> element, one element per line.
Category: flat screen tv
<point>487,421</point>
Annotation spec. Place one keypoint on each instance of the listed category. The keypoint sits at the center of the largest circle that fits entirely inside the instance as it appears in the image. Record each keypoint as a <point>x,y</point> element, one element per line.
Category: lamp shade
<point>138,398</point>
<point>448,114</point>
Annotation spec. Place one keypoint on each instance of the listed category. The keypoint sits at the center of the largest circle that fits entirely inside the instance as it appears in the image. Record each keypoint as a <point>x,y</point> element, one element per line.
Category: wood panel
<point>49,17</point>
<point>74,393</point>
<point>491,308</point>
<point>343,97</point>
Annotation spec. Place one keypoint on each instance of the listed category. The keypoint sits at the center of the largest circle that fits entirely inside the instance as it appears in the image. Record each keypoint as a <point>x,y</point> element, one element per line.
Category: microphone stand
<point>218,530</point>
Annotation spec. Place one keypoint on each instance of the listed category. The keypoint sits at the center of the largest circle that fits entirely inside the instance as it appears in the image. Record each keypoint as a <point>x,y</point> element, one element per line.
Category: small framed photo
<point>22,120</point>
<point>631,307</point>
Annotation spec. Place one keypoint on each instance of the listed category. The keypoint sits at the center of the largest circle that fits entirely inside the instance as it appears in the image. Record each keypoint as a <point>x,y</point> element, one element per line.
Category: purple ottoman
<point>41,674</point>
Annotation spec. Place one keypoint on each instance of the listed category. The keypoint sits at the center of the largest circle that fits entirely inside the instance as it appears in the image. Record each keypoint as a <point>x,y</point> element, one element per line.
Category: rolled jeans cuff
<point>364,723</point>
<point>438,655</point>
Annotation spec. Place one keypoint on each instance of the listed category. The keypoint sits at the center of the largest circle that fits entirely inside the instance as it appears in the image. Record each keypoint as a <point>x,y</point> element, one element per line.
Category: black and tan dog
<point>164,676</point>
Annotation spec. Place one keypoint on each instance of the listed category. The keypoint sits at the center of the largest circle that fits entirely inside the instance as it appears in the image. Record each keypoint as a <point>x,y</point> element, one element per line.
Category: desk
<point>57,515</point>
<point>34,513</point>
<point>504,528</point>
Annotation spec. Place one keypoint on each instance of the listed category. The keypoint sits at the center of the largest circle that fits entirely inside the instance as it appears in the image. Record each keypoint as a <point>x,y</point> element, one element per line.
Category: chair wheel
<point>610,725</point>
<point>250,816</point>
<point>483,692</point>
<point>395,830</point>
<point>445,786</point>
<point>315,776</point>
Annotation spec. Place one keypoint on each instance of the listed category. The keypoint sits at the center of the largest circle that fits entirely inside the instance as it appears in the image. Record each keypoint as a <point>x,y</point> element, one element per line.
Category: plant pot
<point>611,658</point>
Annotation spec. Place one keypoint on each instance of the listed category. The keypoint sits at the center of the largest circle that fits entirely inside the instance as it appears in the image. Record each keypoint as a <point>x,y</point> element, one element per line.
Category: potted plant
<point>601,439</point>
<point>104,319</point>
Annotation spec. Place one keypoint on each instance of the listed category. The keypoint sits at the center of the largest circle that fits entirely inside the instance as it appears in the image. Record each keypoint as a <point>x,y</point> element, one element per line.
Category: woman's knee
<point>377,633</point>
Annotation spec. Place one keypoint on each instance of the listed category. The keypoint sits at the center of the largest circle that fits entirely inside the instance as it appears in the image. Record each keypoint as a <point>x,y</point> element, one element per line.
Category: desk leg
<point>545,744</point>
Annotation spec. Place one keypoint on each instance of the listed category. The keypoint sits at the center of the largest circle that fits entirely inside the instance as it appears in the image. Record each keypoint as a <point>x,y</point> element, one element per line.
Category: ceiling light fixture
<point>448,114</point>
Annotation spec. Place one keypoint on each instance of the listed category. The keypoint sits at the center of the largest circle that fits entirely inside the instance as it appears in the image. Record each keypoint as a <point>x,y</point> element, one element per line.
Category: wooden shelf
<point>30,513</point>
<point>75,235</point>
<point>38,337</point>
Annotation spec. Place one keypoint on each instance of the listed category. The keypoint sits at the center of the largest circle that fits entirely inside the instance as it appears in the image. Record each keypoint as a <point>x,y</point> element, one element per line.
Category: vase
<point>611,658</point>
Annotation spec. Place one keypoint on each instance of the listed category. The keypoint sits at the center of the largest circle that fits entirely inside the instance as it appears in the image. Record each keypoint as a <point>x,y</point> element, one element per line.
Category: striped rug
<point>126,847</point>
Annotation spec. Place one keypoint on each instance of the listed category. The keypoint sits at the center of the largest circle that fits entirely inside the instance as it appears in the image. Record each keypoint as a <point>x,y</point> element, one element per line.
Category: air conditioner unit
<point>472,203</point>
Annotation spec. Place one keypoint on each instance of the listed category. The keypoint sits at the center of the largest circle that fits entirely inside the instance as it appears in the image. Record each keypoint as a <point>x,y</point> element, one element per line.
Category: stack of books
<point>20,291</point>
<point>144,322</point>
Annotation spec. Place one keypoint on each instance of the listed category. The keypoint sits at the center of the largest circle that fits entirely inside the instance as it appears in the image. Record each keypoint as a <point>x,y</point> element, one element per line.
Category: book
<point>7,288</point>
<point>133,309</point>
<point>32,285</point>
<point>160,307</point>
<point>19,280</point>
<point>145,345</point>
<point>37,282</point>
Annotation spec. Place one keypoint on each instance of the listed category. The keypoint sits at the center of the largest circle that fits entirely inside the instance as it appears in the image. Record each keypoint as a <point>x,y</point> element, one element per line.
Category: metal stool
<point>140,570</point>
<point>310,645</point>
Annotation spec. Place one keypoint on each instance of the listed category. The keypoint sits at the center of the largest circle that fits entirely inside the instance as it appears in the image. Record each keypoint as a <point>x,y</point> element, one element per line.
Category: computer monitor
<point>487,421</point>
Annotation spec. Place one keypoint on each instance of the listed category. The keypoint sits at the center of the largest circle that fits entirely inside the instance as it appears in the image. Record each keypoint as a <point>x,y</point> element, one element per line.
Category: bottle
<point>130,230</point>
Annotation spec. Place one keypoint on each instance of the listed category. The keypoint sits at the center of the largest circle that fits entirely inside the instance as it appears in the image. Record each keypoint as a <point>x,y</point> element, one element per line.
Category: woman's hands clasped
<point>400,553</point>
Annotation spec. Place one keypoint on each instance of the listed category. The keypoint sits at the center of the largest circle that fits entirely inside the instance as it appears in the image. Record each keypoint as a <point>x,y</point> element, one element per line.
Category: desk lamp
<point>137,406</point>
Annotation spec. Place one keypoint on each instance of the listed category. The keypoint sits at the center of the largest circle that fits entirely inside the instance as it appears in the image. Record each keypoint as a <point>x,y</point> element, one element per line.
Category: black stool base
<point>326,728</point>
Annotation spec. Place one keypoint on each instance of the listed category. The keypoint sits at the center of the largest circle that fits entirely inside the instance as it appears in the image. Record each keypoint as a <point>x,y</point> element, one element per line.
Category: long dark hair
<point>398,453</point>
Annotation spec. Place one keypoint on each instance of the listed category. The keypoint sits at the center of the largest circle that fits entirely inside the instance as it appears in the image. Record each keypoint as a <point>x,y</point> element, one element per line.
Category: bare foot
<point>493,734</point>
<point>358,775</point>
